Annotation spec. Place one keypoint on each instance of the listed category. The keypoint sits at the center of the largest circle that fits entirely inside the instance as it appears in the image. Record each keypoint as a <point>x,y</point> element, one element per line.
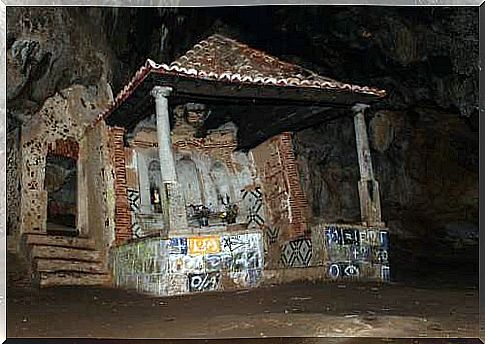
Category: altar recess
<point>207,190</point>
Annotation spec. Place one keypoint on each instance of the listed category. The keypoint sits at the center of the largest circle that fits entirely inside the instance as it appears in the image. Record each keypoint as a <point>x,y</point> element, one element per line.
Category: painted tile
<point>204,245</point>
<point>177,246</point>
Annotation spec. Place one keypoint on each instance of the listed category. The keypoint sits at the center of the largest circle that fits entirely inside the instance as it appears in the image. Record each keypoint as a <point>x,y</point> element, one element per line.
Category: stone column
<point>370,203</point>
<point>174,204</point>
<point>145,206</point>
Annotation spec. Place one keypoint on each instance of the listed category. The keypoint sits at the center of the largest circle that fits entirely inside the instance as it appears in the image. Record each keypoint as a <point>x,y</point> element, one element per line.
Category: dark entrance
<point>61,186</point>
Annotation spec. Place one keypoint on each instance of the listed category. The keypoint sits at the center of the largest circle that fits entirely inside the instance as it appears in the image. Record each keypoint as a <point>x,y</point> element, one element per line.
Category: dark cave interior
<point>423,135</point>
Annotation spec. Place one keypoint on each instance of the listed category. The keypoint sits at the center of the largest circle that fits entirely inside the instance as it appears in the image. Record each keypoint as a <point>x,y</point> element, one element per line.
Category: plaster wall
<point>190,264</point>
<point>63,118</point>
<point>98,174</point>
<point>208,168</point>
<point>343,251</point>
<point>59,119</point>
<point>14,173</point>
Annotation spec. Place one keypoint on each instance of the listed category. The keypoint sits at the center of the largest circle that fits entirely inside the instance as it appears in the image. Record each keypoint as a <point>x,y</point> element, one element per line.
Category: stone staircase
<point>64,261</point>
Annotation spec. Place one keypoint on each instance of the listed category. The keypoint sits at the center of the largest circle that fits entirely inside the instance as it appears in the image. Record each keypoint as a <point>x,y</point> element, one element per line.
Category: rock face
<point>424,164</point>
<point>427,165</point>
<point>424,136</point>
<point>50,49</point>
<point>425,55</point>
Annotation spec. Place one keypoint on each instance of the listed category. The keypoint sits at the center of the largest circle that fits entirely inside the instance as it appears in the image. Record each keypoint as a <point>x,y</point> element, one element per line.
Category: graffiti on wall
<point>204,245</point>
<point>346,251</point>
<point>191,264</point>
<point>336,270</point>
<point>134,203</point>
<point>351,250</point>
<point>205,259</point>
<point>204,282</point>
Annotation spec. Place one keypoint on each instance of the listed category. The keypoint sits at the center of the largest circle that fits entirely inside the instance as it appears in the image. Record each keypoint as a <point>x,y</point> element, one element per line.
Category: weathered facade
<point>165,199</point>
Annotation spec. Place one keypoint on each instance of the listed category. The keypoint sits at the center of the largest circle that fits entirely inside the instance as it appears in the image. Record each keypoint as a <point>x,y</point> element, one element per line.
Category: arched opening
<point>189,180</point>
<point>61,186</point>
<point>222,185</point>
<point>155,182</point>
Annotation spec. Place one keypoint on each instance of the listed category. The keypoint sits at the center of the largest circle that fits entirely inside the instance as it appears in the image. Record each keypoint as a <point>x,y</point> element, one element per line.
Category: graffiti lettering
<point>385,273</point>
<point>350,237</point>
<point>204,282</point>
<point>217,262</point>
<point>351,270</point>
<point>333,236</point>
<point>186,263</point>
<point>334,271</point>
<point>246,260</point>
<point>381,256</point>
<point>384,239</point>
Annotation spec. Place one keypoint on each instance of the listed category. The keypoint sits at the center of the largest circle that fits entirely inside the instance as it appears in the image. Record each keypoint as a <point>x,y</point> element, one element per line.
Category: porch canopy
<point>261,94</point>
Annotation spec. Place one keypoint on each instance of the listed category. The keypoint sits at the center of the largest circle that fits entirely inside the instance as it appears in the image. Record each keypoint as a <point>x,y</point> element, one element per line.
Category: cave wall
<point>420,55</point>
<point>425,162</point>
<point>13,181</point>
<point>424,135</point>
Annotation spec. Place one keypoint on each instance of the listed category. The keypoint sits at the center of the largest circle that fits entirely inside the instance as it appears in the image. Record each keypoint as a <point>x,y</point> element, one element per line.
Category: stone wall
<point>13,182</point>
<point>63,118</point>
<point>182,265</point>
<point>346,251</point>
<point>286,205</point>
<point>58,120</point>
<point>97,173</point>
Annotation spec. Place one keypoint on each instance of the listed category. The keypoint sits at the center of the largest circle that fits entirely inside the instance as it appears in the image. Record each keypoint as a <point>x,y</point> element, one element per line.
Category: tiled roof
<point>222,58</point>
<point>219,58</point>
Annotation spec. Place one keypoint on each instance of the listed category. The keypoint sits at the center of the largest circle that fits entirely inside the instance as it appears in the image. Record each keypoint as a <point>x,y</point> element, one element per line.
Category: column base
<point>177,214</point>
<point>370,203</point>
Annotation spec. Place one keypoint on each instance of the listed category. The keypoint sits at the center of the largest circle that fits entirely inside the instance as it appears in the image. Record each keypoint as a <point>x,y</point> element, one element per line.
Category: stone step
<point>59,265</point>
<point>59,241</point>
<point>64,254</point>
<point>49,279</point>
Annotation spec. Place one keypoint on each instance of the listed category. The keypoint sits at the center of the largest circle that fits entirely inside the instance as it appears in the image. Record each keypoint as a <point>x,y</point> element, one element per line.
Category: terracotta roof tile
<point>224,59</point>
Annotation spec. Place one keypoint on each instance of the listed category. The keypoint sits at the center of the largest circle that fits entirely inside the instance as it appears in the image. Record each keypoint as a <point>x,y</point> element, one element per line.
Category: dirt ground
<point>299,309</point>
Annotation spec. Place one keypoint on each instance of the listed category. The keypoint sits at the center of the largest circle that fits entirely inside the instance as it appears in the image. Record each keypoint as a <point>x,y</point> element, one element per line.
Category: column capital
<point>161,91</point>
<point>360,108</point>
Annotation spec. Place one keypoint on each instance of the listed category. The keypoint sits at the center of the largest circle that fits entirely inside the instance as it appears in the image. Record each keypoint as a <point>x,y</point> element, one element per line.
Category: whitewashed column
<point>145,205</point>
<point>369,194</point>
<point>174,203</point>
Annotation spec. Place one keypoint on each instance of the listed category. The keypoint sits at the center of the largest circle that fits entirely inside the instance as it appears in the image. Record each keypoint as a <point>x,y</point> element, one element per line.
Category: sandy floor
<point>327,310</point>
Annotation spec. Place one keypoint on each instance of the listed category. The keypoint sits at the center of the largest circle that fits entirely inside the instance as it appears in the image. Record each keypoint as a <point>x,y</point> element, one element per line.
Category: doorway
<point>61,185</point>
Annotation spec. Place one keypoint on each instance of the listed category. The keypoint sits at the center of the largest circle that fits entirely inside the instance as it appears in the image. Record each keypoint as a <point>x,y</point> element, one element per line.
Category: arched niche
<point>221,183</point>
<point>190,181</point>
<point>154,173</point>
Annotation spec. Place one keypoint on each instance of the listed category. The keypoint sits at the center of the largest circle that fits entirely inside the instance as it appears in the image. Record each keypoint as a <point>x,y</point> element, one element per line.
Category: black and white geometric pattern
<point>136,229</point>
<point>134,200</point>
<point>297,253</point>
<point>272,234</point>
<point>256,199</point>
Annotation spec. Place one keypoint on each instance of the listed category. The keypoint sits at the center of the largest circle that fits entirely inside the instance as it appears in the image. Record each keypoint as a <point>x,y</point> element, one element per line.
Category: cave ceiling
<point>423,57</point>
